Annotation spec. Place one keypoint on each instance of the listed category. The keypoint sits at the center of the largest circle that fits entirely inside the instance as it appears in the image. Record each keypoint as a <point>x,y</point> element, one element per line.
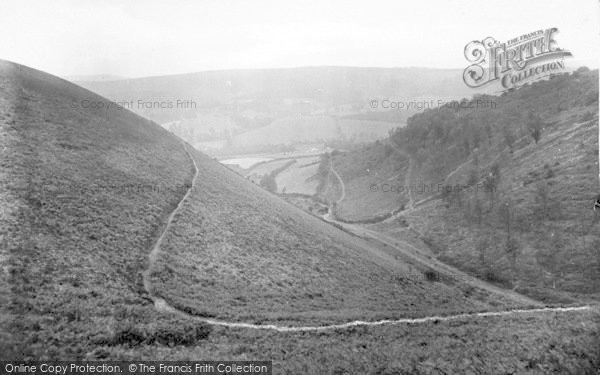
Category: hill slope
<point>86,196</point>
<point>83,194</point>
<point>512,186</point>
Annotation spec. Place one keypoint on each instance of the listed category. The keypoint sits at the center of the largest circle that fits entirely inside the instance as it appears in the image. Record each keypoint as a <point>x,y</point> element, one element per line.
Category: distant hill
<point>94,78</point>
<point>313,129</point>
<point>237,102</point>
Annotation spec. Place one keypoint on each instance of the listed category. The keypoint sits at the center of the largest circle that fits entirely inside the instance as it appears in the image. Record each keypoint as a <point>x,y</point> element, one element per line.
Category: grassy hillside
<point>551,343</point>
<point>514,186</point>
<point>374,177</point>
<point>85,195</point>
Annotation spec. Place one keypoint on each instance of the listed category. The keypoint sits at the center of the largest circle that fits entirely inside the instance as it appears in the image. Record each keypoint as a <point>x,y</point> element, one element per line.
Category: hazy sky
<point>141,38</point>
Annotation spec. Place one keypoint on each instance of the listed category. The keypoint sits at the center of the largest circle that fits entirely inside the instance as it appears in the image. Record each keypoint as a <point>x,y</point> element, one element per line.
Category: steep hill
<point>504,192</point>
<point>84,193</point>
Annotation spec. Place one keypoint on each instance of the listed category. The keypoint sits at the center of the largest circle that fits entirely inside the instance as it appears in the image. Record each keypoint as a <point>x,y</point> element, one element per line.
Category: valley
<point>306,187</point>
<point>226,268</point>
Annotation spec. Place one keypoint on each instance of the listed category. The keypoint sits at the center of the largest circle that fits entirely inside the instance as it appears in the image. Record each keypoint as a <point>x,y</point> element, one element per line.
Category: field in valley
<point>300,178</point>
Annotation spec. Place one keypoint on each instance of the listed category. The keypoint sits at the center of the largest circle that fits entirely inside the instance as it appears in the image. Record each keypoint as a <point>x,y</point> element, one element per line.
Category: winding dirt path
<point>163,306</point>
<point>407,183</point>
<point>154,252</point>
<point>356,323</point>
<point>343,194</point>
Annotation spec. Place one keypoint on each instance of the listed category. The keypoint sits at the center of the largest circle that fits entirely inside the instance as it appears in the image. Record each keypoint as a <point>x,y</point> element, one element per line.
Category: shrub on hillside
<point>587,116</point>
<point>169,333</point>
<point>431,275</point>
<point>535,126</point>
<point>493,275</point>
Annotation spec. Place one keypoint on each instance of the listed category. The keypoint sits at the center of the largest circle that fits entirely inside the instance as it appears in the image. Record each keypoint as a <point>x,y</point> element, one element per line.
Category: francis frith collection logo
<point>526,58</point>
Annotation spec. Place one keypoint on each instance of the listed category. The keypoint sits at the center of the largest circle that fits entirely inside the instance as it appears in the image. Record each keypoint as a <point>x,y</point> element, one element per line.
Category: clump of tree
<point>439,140</point>
<point>477,211</point>
<point>545,206</point>
<point>323,170</point>
<point>535,125</point>
<point>268,182</point>
<point>507,216</point>
<point>587,116</point>
<point>490,183</point>
<point>473,177</point>
<point>482,247</point>
<point>452,196</point>
<point>509,138</point>
<point>549,256</point>
<point>431,275</point>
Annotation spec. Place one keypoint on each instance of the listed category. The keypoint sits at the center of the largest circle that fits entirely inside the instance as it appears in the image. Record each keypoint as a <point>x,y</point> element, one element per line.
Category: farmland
<point>300,178</point>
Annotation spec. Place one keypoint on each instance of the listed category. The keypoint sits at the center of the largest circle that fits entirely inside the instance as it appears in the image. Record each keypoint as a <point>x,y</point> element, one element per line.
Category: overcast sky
<point>141,38</point>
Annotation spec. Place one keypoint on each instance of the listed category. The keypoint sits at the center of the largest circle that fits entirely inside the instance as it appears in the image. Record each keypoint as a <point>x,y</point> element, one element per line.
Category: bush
<point>587,116</point>
<point>185,335</point>
<point>268,182</point>
<point>171,333</point>
<point>494,276</point>
<point>431,275</point>
<point>129,335</point>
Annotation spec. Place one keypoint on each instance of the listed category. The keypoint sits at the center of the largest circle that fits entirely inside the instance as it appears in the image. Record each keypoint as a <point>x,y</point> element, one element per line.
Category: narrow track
<point>155,250</point>
<point>357,323</point>
<point>342,186</point>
